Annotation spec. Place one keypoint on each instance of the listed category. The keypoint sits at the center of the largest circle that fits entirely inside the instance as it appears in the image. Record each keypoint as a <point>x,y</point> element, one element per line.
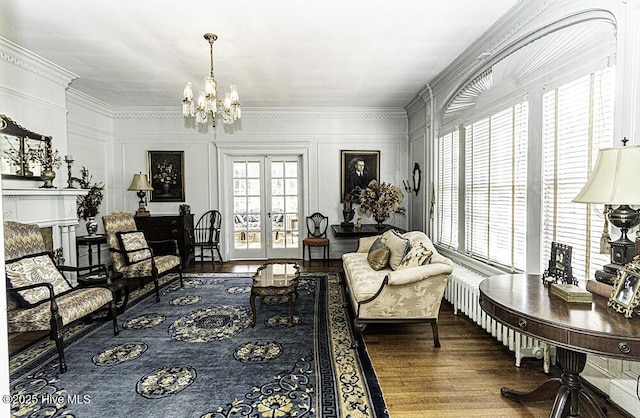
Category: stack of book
<point>571,293</point>
<point>599,288</point>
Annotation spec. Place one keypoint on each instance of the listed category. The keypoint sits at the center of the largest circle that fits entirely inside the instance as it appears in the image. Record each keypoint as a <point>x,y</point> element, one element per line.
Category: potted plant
<point>380,201</point>
<point>89,204</point>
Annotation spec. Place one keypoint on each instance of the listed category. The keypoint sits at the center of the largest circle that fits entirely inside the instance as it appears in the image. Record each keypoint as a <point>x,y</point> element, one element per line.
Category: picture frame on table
<point>625,296</point>
<point>357,169</point>
<point>559,270</point>
<point>166,175</point>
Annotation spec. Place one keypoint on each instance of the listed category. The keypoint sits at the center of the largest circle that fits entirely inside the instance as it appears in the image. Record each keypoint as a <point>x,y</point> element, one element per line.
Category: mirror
<point>18,149</point>
<point>417,177</point>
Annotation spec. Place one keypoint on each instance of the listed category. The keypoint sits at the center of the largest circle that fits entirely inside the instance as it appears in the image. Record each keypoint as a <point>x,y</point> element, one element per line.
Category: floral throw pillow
<point>418,255</point>
<point>135,245</point>
<point>38,268</point>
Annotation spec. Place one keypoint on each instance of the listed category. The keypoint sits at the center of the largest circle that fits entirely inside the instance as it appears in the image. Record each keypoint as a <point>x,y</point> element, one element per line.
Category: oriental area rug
<point>196,354</point>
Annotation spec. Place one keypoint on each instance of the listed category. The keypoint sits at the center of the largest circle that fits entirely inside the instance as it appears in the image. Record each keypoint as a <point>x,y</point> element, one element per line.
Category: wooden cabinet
<point>178,227</point>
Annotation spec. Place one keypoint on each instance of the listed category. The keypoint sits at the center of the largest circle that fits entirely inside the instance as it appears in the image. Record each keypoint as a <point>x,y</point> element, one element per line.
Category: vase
<point>380,221</point>
<point>47,176</point>
<point>92,226</point>
<point>166,186</point>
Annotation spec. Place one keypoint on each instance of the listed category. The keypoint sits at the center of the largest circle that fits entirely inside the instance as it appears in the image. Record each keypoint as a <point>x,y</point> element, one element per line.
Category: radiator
<point>463,291</point>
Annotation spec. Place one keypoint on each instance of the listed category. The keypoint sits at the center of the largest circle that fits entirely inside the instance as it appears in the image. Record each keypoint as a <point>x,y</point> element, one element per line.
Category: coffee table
<point>275,279</point>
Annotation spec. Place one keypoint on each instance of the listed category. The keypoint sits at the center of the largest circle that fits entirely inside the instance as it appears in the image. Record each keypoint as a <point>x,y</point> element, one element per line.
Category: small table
<point>522,302</point>
<point>118,285</point>
<point>275,279</point>
<point>366,230</point>
<point>89,241</point>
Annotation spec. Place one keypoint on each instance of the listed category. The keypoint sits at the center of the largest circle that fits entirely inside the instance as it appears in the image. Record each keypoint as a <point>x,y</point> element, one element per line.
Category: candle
<point>68,158</point>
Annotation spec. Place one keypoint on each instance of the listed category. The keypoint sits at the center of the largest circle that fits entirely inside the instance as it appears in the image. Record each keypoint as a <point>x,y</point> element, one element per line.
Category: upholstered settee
<point>396,278</point>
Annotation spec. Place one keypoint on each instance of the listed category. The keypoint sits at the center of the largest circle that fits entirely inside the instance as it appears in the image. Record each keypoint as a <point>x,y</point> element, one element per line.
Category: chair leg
<point>213,261</point>
<point>181,282</point>
<point>219,254</point>
<point>112,310</point>
<point>157,285</point>
<point>56,335</point>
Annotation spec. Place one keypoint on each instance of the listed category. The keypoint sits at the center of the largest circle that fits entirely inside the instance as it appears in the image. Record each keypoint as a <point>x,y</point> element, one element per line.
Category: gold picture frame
<point>625,296</point>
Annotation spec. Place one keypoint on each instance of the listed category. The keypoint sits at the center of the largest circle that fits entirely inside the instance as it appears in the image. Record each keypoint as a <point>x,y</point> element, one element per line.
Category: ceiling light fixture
<point>208,103</point>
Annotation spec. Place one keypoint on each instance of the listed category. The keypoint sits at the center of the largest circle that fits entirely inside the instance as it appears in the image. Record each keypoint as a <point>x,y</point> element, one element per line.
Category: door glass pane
<point>284,204</point>
<point>246,204</point>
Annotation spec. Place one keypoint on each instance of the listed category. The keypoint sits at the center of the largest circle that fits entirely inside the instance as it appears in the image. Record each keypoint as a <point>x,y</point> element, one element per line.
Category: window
<point>448,169</point>
<point>578,121</point>
<point>496,188</point>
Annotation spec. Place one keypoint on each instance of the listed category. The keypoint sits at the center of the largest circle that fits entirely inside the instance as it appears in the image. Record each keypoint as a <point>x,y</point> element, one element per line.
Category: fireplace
<point>54,210</point>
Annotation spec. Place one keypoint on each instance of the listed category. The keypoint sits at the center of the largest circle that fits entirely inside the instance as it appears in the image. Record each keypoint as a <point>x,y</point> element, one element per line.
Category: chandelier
<point>208,103</point>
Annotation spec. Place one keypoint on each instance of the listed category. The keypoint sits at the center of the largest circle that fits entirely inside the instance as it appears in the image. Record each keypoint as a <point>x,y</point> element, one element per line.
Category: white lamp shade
<point>614,178</point>
<point>140,182</point>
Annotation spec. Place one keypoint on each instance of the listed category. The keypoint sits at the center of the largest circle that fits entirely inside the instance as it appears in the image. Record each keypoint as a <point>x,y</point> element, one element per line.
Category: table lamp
<point>140,183</point>
<point>613,181</point>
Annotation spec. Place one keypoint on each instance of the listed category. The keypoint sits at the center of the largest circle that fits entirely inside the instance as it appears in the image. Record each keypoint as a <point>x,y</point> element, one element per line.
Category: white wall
<point>615,377</point>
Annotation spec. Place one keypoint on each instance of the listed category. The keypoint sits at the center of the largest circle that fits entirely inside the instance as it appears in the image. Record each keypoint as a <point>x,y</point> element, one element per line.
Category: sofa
<point>396,277</point>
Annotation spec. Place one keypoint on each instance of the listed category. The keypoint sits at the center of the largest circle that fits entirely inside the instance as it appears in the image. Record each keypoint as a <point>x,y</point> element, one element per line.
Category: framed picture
<point>560,265</point>
<point>358,168</point>
<point>166,175</point>
<point>626,291</point>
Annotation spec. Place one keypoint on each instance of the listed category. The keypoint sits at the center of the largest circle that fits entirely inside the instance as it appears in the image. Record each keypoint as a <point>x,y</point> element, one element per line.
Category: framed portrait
<point>166,175</point>
<point>559,269</point>
<point>625,296</point>
<point>358,168</point>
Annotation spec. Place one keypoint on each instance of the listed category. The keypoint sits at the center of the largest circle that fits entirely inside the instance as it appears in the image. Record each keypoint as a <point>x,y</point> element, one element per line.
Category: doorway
<point>265,203</point>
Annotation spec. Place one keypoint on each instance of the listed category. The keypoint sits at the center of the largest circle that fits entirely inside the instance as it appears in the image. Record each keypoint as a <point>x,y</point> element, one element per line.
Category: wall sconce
<point>140,183</point>
<point>417,178</point>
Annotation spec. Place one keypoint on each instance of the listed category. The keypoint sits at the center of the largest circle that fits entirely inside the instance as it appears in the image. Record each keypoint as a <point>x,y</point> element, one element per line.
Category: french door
<point>266,207</point>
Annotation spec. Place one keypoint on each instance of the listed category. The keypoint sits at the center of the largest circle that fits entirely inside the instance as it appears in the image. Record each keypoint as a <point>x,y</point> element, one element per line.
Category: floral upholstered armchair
<point>39,297</point>
<point>133,256</point>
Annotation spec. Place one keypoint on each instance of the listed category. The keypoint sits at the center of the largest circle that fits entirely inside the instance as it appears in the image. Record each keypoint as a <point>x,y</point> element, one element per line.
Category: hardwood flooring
<point>460,379</point>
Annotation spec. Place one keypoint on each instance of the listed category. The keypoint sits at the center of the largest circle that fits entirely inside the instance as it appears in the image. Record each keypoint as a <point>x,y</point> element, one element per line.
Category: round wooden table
<point>523,303</point>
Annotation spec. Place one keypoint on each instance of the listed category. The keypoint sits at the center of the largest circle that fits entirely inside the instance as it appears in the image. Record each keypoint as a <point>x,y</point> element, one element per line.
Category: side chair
<point>134,256</point>
<point>39,297</point>
<point>317,225</point>
<point>206,236</point>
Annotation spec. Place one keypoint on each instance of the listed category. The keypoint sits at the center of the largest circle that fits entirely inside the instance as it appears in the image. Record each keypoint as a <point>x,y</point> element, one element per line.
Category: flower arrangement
<point>89,204</point>
<point>165,173</point>
<point>381,200</point>
<point>46,157</point>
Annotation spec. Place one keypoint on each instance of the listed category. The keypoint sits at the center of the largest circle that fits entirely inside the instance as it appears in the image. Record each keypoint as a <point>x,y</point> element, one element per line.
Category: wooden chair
<point>206,235</point>
<point>317,225</point>
<point>134,256</point>
<point>39,297</point>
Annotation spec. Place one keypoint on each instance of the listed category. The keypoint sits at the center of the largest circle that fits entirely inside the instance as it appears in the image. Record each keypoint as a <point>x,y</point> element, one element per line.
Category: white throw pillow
<point>399,247</point>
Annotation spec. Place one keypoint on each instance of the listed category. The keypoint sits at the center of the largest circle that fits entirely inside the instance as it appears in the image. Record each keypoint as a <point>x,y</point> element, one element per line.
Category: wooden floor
<point>460,379</point>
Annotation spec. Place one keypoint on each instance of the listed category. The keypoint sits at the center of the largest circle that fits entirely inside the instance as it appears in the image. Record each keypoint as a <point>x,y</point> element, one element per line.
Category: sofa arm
<point>415,274</point>
<point>364,243</point>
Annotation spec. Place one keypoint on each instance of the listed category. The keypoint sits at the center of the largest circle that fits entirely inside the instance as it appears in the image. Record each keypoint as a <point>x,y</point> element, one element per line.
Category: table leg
<point>568,388</point>
<point>252,300</point>
<point>293,304</point>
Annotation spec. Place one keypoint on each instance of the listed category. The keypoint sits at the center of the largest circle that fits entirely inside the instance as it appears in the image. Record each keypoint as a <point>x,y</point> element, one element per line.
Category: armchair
<point>134,256</point>
<point>39,297</point>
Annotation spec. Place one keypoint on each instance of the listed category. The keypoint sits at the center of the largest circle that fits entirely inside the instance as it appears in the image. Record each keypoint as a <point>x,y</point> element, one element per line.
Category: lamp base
<point>143,212</point>
<point>622,251</point>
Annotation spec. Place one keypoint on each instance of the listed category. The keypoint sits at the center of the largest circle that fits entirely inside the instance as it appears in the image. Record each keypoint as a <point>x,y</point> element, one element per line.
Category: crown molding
<point>89,102</point>
<point>23,58</point>
<point>274,113</point>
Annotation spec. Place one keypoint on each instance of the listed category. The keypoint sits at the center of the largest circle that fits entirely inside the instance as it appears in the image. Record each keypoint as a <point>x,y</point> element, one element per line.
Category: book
<point>598,288</point>
<point>571,293</point>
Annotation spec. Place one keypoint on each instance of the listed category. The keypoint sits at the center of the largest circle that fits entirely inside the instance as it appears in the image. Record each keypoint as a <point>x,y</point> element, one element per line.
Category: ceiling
<point>280,53</point>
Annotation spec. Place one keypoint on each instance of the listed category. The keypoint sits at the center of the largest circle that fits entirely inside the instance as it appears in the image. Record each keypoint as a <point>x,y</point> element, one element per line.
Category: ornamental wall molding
<point>266,114</point>
<point>18,56</point>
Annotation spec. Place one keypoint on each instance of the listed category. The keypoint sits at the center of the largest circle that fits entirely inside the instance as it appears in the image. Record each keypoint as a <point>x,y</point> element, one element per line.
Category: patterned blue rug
<point>195,354</point>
